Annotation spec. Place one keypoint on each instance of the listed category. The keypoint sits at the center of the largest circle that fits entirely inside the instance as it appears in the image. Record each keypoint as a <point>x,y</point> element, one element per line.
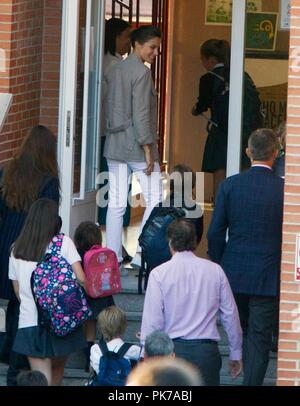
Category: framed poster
<point>219,12</point>
<point>261,31</point>
<point>285,14</point>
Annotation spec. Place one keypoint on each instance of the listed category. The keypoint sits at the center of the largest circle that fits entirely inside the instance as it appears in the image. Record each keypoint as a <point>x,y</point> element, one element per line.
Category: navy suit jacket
<point>250,206</point>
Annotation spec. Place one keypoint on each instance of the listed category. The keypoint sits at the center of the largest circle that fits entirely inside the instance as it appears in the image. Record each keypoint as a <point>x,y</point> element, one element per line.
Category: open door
<point>79,110</point>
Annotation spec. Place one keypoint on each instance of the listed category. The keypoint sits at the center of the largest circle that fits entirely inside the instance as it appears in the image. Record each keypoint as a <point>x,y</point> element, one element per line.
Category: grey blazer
<point>130,111</point>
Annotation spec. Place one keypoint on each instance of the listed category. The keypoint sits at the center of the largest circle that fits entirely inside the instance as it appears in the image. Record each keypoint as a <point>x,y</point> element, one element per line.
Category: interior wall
<point>188,133</point>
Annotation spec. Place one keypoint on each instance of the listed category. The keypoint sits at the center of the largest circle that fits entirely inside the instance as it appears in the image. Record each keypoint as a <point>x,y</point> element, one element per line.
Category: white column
<point>236,86</point>
<point>67,106</point>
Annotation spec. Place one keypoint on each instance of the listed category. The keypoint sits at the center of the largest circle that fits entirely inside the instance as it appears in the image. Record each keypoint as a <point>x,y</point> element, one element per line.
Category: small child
<point>88,234</point>
<point>112,323</point>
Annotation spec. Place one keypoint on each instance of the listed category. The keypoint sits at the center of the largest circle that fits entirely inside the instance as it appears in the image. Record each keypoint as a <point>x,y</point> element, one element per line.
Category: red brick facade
<point>289,338</point>
<point>30,33</point>
<point>30,36</point>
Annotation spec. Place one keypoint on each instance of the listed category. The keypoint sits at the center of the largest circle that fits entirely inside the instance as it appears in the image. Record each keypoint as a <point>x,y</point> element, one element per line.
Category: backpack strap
<point>103,347</point>
<point>123,349</point>
<point>216,75</point>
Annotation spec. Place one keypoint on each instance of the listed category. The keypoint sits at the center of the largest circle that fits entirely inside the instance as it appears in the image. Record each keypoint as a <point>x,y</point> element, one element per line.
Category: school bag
<point>252,106</point>
<point>153,239</point>
<point>102,275</point>
<point>60,300</point>
<point>113,368</point>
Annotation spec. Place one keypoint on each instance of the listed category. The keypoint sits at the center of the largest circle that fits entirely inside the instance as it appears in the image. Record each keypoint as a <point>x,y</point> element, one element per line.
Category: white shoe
<point>136,263</point>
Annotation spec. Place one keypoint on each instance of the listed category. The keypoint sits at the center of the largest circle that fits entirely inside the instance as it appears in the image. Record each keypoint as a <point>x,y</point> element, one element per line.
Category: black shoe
<point>126,257</point>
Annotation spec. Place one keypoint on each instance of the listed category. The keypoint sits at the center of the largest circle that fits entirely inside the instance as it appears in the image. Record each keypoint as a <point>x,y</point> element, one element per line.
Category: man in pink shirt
<point>184,298</point>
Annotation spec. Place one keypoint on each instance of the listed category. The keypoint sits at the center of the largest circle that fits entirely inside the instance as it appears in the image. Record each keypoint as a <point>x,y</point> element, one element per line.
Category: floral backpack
<point>60,300</point>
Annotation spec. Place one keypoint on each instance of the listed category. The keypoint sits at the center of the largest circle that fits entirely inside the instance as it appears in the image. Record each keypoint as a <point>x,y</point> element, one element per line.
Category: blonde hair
<point>112,323</point>
<point>164,371</point>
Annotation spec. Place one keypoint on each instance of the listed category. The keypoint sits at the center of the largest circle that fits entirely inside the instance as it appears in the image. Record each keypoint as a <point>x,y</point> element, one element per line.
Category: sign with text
<point>285,14</point>
<point>274,103</point>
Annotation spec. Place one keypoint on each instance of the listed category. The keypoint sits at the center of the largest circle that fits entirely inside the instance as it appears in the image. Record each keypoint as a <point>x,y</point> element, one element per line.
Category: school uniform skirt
<point>97,305</point>
<point>38,342</point>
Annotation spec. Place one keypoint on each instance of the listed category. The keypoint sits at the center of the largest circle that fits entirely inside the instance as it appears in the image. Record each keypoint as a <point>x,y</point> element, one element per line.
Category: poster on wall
<point>261,31</point>
<point>219,12</point>
<point>285,14</point>
<point>274,104</point>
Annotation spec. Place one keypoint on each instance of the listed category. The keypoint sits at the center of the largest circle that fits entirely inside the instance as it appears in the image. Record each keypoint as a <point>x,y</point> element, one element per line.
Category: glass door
<point>79,113</point>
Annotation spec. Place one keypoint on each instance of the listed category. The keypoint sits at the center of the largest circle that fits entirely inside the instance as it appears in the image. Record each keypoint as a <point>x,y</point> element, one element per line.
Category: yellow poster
<point>219,12</point>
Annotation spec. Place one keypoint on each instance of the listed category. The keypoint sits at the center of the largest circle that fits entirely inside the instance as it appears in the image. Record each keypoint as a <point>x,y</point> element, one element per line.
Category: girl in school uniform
<point>86,235</point>
<point>45,351</point>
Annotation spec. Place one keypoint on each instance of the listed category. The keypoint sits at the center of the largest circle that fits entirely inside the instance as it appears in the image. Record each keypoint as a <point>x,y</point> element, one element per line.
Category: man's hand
<point>235,368</point>
<point>149,159</point>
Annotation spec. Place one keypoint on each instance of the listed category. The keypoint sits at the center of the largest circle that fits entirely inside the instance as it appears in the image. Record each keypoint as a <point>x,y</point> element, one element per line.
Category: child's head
<point>112,323</point>
<point>41,225</point>
<point>215,51</point>
<point>281,133</point>
<point>86,235</point>
<point>31,378</point>
<point>181,183</point>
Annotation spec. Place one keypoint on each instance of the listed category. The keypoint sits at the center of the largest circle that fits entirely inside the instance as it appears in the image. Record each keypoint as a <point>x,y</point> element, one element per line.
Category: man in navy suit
<point>250,206</point>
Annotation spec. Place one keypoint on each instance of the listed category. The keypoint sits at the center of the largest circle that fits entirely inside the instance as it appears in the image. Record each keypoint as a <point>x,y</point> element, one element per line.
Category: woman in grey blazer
<point>131,132</point>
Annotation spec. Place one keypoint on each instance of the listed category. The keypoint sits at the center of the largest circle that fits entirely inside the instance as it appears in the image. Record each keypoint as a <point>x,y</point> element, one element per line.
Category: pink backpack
<point>102,275</point>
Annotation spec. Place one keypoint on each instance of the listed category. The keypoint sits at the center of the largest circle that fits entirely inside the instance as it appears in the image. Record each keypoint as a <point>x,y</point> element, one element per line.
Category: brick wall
<point>289,338</point>
<point>49,103</point>
<point>21,26</point>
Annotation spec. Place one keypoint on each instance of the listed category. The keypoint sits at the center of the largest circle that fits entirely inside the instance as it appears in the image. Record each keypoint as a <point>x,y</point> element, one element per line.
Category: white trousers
<point>119,174</point>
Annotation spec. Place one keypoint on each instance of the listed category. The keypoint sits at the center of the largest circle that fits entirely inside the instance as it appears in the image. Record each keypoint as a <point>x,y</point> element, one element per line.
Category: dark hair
<point>25,173</point>
<point>182,235</point>
<point>186,187</point>
<point>262,144</point>
<point>144,33</point>
<point>220,49</point>
<point>158,343</point>
<point>113,28</point>
<point>31,378</point>
<point>41,225</point>
<point>86,235</point>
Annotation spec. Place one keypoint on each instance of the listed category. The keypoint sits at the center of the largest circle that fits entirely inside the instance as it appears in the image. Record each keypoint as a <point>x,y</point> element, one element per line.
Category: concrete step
<point>72,377</point>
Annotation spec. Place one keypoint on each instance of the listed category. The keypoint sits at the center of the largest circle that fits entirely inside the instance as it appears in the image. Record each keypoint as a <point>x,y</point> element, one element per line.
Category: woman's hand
<point>149,159</point>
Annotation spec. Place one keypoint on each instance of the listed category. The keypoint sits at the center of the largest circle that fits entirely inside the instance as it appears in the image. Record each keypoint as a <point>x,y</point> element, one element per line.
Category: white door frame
<point>79,207</point>
<point>236,87</point>
<point>67,106</point>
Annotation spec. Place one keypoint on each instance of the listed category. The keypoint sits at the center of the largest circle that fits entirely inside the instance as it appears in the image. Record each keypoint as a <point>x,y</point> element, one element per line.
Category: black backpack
<point>153,239</point>
<point>252,106</point>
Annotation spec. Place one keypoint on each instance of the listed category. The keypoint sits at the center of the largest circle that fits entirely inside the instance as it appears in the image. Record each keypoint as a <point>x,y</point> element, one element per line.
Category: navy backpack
<point>113,368</point>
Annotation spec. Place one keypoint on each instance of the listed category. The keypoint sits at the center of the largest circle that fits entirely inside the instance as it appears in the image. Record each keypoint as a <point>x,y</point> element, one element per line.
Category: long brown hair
<point>41,225</point>
<point>23,176</point>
